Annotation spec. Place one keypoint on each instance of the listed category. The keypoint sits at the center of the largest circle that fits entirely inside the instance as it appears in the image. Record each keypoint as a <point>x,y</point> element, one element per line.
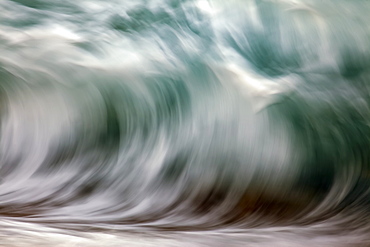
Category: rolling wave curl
<point>246,121</point>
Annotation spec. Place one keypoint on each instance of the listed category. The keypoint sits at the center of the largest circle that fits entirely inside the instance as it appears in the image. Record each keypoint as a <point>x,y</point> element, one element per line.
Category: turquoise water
<point>184,123</point>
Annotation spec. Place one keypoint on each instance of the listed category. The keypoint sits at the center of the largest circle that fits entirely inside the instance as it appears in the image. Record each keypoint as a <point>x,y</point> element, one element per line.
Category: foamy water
<point>184,123</point>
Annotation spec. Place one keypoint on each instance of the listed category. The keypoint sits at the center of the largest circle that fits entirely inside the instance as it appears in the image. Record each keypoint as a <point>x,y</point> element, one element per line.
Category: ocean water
<point>187,123</point>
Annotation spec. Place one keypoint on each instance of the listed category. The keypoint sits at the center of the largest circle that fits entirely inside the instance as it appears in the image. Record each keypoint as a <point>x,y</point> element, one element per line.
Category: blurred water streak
<point>184,123</point>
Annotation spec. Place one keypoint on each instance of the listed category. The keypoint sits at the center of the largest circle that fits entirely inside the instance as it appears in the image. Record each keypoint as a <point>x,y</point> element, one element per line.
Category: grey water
<point>184,123</point>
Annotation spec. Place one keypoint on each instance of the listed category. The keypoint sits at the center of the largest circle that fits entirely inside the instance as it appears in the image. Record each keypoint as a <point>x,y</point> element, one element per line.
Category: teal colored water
<point>184,123</point>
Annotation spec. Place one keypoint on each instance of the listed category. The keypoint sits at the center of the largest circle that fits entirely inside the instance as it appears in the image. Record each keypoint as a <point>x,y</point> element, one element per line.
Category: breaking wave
<point>242,120</point>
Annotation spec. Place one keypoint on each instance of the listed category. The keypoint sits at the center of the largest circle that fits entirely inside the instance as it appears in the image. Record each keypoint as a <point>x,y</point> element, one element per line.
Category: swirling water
<point>184,123</point>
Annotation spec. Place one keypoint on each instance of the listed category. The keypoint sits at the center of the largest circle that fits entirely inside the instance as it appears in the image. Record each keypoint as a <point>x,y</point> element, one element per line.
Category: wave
<point>188,117</point>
